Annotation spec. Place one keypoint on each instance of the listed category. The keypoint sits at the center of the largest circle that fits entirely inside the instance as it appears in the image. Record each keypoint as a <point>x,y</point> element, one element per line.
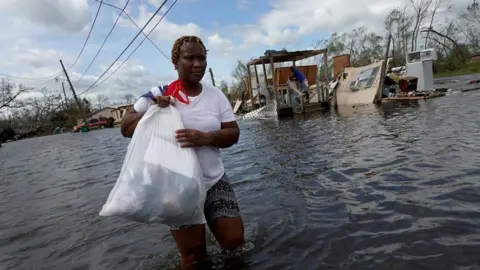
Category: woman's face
<point>192,62</point>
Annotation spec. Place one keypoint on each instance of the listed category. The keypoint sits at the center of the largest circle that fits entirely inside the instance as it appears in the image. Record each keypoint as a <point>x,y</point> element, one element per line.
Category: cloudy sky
<point>37,33</point>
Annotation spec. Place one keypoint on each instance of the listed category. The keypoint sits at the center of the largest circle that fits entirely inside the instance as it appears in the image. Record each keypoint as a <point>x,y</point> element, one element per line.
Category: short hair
<point>183,40</point>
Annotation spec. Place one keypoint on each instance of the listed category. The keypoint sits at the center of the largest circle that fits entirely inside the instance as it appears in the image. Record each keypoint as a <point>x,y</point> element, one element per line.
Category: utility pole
<point>74,95</point>
<point>211,76</point>
<point>66,103</point>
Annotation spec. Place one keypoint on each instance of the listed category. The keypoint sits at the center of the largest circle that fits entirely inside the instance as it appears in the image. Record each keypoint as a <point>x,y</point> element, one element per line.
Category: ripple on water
<point>393,189</point>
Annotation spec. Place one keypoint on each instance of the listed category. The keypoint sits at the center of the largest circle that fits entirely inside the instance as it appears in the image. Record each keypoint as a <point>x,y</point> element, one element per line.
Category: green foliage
<point>362,45</point>
<point>6,131</point>
<point>231,94</point>
<point>468,69</point>
<point>224,87</point>
<point>240,71</point>
<point>455,60</point>
<point>365,47</point>
<point>238,85</point>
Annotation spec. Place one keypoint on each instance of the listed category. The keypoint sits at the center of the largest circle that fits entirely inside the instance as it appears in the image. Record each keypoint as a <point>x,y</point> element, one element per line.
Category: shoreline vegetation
<point>470,69</point>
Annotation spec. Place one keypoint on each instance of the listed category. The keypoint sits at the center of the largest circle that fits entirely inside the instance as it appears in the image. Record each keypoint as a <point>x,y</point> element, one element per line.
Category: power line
<point>104,41</point>
<point>138,28</point>
<point>76,60</point>
<point>88,36</point>
<point>140,44</point>
<point>44,84</point>
<point>30,79</point>
<point>128,46</point>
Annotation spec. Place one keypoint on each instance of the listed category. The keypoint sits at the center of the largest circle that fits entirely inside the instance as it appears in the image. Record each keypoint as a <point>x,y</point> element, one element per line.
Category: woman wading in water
<point>209,125</point>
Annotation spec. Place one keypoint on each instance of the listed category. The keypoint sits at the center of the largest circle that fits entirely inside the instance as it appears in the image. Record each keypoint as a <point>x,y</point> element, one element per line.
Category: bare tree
<point>239,75</point>
<point>438,4</point>
<point>364,47</point>
<point>469,25</point>
<point>318,45</point>
<point>224,87</point>
<point>37,112</point>
<point>398,24</point>
<point>9,93</point>
<point>318,59</point>
<point>102,101</point>
<point>240,71</point>
<point>420,7</point>
<point>454,48</point>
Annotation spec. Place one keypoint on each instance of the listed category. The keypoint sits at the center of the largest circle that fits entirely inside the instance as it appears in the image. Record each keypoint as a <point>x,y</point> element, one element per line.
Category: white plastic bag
<point>160,182</point>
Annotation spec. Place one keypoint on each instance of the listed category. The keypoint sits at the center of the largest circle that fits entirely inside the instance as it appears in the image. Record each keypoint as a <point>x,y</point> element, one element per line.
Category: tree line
<point>47,110</point>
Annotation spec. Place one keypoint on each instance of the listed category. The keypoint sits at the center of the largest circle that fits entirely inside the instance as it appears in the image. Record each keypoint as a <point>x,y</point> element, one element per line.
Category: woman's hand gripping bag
<point>160,182</point>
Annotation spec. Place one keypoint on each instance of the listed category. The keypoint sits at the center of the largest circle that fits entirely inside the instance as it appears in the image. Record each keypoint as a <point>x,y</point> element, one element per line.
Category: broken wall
<point>363,80</point>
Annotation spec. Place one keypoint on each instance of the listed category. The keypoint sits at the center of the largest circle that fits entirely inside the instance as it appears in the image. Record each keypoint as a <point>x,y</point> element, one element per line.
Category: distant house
<point>118,111</point>
<point>115,111</point>
<point>474,59</point>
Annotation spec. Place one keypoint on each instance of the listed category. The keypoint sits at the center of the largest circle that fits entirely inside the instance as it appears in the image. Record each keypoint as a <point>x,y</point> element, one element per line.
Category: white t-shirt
<point>205,112</point>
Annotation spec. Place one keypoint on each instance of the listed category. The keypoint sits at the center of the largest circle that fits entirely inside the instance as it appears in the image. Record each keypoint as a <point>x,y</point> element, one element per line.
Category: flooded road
<point>371,190</point>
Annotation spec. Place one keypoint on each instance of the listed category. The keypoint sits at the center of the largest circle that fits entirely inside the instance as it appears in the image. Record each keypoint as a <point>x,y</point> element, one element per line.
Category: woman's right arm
<point>129,122</point>
<point>132,117</point>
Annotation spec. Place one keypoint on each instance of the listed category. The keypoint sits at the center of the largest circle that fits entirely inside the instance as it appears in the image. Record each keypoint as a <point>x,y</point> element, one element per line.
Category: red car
<point>93,123</point>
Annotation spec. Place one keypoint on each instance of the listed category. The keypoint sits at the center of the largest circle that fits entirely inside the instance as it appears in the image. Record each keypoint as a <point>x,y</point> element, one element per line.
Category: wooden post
<point>378,97</point>
<point>249,74</point>
<point>318,92</point>
<point>326,75</point>
<point>335,99</point>
<point>258,85</point>
<point>265,75</point>
<point>74,95</point>
<point>275,92</point>
<point>211,76</point>
<point>294,64</point>
<point>256,78</point>
<point>302,103</point>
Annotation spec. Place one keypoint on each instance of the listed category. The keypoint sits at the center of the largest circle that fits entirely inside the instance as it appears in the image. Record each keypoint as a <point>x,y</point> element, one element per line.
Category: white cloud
<point>288,21</point>
<point>26,60</point>
<point>219,45</point>
<point>131,78</point>
<point>170,31</point>
<point>166,30</point>
<point>256,35</point>
<point>64,15</point>
<point>244,4</point>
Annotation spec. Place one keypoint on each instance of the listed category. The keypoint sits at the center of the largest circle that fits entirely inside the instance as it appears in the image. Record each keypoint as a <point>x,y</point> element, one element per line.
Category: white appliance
<point>420,65</point>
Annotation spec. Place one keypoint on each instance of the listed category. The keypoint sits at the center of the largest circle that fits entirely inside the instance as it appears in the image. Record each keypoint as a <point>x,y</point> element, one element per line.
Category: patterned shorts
<point>221,202</point>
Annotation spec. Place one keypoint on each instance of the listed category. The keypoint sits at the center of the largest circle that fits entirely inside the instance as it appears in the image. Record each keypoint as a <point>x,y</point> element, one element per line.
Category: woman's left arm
<point>229,132</point>
<point>226,137</point>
